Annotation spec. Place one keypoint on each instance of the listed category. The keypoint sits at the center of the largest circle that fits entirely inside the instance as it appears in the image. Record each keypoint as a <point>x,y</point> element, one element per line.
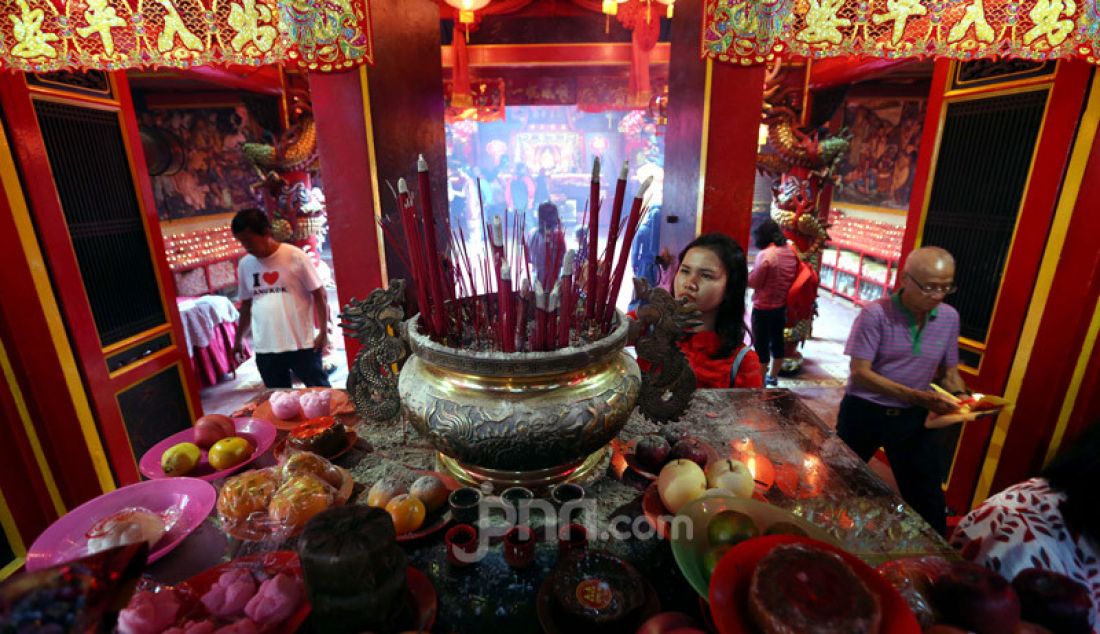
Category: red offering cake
<point>798,589</point>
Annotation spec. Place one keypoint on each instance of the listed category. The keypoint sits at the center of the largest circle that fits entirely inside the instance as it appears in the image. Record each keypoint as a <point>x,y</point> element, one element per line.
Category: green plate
<point>688,532</point>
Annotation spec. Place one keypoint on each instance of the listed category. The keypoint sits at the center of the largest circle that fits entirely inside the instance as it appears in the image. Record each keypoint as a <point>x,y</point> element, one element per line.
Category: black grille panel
<point>154,409</point>
<point>983,166</point>
<point>96,190</point>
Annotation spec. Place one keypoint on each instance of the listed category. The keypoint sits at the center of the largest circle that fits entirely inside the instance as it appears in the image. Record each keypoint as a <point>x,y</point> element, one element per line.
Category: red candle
<point>433,258</point>
<point>620,266</point>
<point>552,318</point>
<point>593,229</point>
<point>565,318</point>
<point>507,306</point>
<point>612,239</point>
<point>539,342</point>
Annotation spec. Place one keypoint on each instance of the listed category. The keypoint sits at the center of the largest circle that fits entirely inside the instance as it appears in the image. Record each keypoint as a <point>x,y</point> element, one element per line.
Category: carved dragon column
<point>805,161</point>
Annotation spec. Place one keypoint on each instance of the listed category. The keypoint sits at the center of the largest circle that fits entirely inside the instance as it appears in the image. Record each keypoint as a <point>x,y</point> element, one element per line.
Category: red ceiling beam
<point>836,71</point>
<point>532,55</point>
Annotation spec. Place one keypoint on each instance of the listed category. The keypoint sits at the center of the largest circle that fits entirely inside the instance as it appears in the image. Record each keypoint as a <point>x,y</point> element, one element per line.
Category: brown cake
<point>355,572</point>
<point>322,436</point>
<point>799,589</point>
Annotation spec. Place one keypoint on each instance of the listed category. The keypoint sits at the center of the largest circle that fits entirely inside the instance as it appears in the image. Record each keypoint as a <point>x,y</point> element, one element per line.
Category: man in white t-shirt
<point>281,300</point>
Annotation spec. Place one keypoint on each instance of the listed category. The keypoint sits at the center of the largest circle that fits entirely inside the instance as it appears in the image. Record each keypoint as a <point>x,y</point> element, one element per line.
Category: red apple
<point>211,428</point>
<point>690,449</point>
<point>972,596</point>
<point>651,453</point>
<point>1053,600</point>
<point>666,623</point>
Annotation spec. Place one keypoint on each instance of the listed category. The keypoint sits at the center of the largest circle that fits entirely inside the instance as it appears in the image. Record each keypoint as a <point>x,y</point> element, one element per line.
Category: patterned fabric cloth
<point>1022,527</point>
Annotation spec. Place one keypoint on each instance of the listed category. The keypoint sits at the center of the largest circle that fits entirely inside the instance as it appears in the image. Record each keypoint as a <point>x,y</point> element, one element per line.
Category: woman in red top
<point>713,274</point>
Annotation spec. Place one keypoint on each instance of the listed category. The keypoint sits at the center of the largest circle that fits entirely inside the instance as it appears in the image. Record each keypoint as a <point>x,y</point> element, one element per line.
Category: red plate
<point>729,586</point>
<point>271,563</point>
<point>423,593</point>
<point>340,404</point>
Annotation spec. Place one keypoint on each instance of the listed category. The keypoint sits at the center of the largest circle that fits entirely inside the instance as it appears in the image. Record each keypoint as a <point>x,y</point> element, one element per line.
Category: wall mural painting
<point>195,160</point>
<point>882,158</point>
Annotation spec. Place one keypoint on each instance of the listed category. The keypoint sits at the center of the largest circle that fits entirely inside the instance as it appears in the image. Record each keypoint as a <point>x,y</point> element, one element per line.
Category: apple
<point>1053,600</point>
<point>731,475</point>
<point>690,449</point>
<point>651,452</point>
<point>667,622</point>
<point>211,428</point>
<point>731,527</point>
<point>974,597</point>
<point>680,482</point>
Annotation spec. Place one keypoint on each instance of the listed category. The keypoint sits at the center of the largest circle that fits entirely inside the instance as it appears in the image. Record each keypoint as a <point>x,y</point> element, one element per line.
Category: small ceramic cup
<point>567,492</point>
<point>516,497</point>
<point>464,502</point>
<point>519,547</point>
<point>572,538</point>
<point>461,544</point>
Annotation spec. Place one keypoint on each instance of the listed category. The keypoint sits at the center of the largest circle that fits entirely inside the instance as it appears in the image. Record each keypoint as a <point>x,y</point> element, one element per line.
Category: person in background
<point>546,246</point>
<point>713,274</point>
<point>771,277</point>
<point>1051,521</point>
<point>282,298</point>
<point>898,345</point>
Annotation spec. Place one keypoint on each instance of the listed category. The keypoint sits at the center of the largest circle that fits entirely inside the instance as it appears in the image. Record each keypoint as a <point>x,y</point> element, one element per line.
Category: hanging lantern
<point>610,7</point>
<point>466,9</point>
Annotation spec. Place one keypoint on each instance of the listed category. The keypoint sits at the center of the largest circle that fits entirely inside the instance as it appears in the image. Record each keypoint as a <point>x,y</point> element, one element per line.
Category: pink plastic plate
<point>258,432</point>
<point>187,500</point>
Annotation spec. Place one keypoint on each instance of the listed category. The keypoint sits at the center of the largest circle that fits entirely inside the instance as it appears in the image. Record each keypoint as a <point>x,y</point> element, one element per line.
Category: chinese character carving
<point>101,18</point>
<point>173,26</point>
<point>899,11</point>
<point>974,16</point>
<point>252,24</point>
<point>1046,14</point>
<point>822,22</point>
<point>27,29</point>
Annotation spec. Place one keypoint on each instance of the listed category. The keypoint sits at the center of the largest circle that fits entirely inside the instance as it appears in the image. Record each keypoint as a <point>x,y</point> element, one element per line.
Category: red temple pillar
<point>714,116</point>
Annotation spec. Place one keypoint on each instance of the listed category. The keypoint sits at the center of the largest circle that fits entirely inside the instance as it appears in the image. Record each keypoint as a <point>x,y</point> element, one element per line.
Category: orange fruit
<point>385,490</point>
<point>407,512</point>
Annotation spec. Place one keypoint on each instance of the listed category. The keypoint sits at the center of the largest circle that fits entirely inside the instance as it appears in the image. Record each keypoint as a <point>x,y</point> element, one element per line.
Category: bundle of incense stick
<point>489,300</point>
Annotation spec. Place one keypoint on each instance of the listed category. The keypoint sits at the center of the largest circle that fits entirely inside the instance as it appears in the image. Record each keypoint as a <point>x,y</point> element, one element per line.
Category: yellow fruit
<point>431,491</point>
<point>229,452</point>
<point>407,513</point>
<point>180,459</point>
<point>385,490</point>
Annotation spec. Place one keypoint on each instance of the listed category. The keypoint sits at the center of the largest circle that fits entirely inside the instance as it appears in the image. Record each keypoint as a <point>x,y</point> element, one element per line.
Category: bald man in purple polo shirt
<point>898,345</point>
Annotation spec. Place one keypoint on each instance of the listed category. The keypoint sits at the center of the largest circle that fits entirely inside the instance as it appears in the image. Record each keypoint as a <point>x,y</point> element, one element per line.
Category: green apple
<point>731,475</point>
<point>731,527</point>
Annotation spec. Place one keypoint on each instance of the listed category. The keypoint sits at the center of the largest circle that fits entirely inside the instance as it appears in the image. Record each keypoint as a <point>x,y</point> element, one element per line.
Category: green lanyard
<point>915,329</point>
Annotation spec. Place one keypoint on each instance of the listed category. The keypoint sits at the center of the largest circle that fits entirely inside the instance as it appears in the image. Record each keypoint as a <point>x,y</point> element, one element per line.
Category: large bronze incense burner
<point>518,378</point>
<point>533,418</point>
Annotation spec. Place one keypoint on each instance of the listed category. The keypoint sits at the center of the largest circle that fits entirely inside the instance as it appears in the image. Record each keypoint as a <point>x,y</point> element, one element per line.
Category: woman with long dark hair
<point>713,274</point>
